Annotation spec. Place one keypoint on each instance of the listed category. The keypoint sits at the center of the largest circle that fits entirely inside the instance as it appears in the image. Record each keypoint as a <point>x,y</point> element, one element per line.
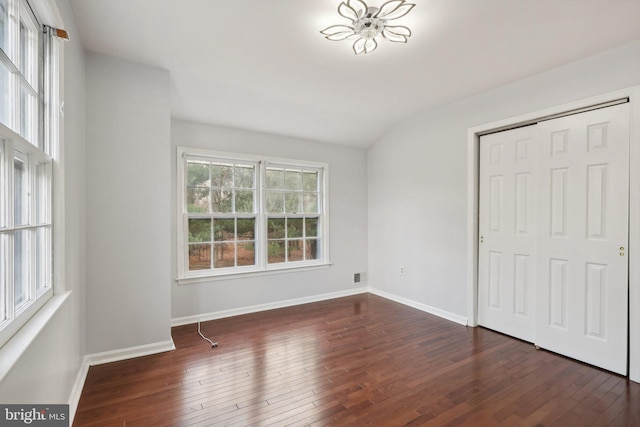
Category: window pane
<point>28,115</point>
<point>292,202</point>
<point>199,230</point>
<point>223,255</point>
<point>311,249</point>
<point>198,199</point>
<point>43,260</point>
<point>275,202</point>
<point>244,201</point>
<point>275,179</point>
<point>3,192</point>
<point>293,180</point>
<point>244,177</point>
<point>296,250</point>
<point>294,227</point>
<point>24,48</point>
<point>28,48</point>
<point>246,253</point>
<point>310,181</point>
<point>276,251</point>
<point>3,282</point>
<point>43,193</point>
<point>222,176</point>
<point>247,229</point>
<point>310,201</point>
<point>275,228</point>
<point>20,266</point>
<point>6,95</point>
<point>21,192</point>
<point>199,257</point>
<point>198,174</point>
<point>221,201</point>
<point>4,25</point>
<point>311,227</point>
<point>224,230</point>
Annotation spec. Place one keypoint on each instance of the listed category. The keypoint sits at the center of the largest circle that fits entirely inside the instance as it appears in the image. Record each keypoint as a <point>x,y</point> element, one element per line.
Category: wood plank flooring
<point>359,360</point>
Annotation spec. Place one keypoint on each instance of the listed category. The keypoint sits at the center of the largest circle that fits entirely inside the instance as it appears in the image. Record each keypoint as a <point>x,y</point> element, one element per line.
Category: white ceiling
<point>263,65</point>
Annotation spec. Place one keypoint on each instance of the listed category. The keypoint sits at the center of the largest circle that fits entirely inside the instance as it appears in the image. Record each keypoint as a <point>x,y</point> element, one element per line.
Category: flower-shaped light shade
<point>367,23</point>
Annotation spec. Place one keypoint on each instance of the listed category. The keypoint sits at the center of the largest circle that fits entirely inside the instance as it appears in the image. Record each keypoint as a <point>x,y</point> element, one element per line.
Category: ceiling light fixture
<point>369,23</point>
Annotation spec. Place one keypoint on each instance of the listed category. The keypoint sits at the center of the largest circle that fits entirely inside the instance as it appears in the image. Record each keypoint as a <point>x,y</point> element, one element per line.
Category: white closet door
<point>506,275</point>
<point>582,273</point>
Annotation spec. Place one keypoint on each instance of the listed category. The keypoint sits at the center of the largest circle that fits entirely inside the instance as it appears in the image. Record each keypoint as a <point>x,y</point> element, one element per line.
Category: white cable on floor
<point>213,344</point>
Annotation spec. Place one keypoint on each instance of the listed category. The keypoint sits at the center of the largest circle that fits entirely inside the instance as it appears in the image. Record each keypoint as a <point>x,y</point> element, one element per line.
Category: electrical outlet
<point>402,269</point>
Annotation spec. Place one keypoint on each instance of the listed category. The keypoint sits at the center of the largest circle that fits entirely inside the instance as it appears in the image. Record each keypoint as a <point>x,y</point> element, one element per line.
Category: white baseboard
<point>129,353</point>
<point>76,391</point>
<point>423,307</point>
<point>264,307</point>
<point>107,357</point>
<point>179,321</point>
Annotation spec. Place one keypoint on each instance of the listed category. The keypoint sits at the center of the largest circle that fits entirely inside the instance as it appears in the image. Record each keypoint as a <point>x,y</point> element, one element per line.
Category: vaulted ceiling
<point>263,65</point>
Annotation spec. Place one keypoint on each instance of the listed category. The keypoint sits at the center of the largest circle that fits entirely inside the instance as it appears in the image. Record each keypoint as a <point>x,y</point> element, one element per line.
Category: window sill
<point>230,276</point>
<point>11,352</point>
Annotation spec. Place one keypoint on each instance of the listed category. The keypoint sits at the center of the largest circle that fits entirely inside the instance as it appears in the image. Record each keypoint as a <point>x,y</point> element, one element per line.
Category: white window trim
<point>261,267</point>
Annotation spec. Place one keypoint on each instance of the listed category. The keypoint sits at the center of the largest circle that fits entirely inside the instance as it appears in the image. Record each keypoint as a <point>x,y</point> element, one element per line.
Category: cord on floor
<point>213,344</point>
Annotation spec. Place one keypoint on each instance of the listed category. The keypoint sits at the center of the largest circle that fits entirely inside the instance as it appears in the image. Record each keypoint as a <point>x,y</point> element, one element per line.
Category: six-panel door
<point>583,170</point>
<point>554,232</point>
<point>507,261</point>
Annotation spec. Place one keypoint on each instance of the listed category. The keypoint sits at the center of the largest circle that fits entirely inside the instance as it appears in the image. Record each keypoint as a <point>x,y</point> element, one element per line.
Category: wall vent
<point>359,277</point>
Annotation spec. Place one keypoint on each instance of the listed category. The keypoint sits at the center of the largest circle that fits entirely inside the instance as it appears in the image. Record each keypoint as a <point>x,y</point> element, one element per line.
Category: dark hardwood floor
<point>360,360</point>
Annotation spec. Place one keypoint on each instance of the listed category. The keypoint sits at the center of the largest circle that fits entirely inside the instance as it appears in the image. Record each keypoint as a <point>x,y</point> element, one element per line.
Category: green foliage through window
<point>220,187</point>
<point>292,239</point>
<point>245,213</point>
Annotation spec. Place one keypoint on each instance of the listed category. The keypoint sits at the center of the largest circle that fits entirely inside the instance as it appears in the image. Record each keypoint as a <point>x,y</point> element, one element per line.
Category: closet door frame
<point>473,168</point>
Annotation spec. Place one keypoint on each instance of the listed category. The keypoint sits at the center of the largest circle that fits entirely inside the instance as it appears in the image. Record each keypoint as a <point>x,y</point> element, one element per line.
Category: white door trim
<point>473,160</point>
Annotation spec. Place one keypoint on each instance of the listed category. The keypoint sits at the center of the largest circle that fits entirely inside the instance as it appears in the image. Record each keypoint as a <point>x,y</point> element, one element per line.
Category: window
<point>221,223</point>
<point>26,166</point>
<point>241,214</point>
<point>19,69</point>
<point>292,199</point>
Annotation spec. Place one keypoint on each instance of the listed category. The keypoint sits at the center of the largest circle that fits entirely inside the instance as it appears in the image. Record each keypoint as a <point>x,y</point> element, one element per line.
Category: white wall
<point>348,227</point>
<point>418,177</point>
<point>128,204</point>
<point>47,370</point>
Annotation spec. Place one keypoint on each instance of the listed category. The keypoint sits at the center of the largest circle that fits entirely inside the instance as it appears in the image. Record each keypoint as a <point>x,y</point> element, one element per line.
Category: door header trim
<point>535,121</point>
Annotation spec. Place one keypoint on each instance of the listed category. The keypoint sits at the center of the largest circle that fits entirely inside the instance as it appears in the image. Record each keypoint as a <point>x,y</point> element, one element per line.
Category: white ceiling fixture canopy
<point>369,22</point>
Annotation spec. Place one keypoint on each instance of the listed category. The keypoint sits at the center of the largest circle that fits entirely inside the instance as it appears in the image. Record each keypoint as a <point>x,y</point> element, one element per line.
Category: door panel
<point>507,220</point>
<point>583,174</point>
